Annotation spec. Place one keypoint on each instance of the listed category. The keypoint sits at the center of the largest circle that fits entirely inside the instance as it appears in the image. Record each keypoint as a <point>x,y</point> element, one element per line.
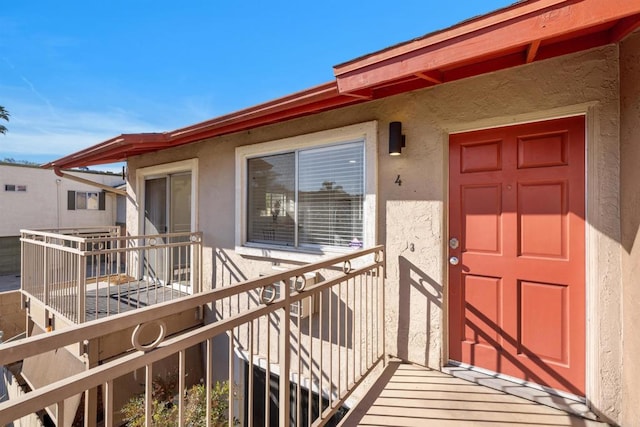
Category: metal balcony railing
<point>288,349</point>
<point>85,274</point>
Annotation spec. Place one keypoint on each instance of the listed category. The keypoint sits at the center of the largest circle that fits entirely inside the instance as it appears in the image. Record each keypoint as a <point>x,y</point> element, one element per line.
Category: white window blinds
<point>330,196</point>
<point>312,197</point>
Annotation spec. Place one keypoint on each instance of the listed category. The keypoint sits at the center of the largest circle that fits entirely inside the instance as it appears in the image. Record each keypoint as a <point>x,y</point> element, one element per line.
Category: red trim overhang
<point>516,35</point>
<point>519,34</point>
<point>320,98</point>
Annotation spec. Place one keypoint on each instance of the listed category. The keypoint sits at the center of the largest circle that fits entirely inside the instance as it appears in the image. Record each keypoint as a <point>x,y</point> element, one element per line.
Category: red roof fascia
<point>521,33</point>
<point>320,98</point>
<point>513,28</point>
<point>624,28</point>
<point>115,144</point>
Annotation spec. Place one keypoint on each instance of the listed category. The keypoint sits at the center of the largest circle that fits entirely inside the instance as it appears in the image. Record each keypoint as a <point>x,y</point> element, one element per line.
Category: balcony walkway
<point>130,296</point>
<point>408,395</point>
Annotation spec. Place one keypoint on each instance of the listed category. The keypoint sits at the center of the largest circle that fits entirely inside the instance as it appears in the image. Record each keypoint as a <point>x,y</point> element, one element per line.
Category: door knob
<point>454,260</point>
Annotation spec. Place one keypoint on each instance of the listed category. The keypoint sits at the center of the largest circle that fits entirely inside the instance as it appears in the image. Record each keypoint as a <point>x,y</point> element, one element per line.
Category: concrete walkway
<point>408,395</point>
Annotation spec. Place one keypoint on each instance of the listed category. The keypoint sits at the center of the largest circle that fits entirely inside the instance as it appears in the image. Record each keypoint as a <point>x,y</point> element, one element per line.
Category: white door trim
<point>592,235</point>
<point>142,174</point>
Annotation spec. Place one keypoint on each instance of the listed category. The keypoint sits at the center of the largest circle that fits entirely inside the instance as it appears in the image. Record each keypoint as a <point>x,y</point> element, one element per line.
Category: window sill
<point>280,253</point>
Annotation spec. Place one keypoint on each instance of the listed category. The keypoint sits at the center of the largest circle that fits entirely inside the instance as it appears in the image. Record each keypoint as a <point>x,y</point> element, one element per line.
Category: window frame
<point>159,171</point>
<point>72,200</point>
<point>15,188</point>
<point>367,132</point>
<point>86,195</point>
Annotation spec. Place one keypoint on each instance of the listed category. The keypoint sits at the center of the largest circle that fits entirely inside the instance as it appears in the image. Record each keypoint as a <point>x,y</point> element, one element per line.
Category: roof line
<point>526,31</point>
<point>318,98</point>
<point>534,25</point>
<point>321,91</point>
<point>465,27</point>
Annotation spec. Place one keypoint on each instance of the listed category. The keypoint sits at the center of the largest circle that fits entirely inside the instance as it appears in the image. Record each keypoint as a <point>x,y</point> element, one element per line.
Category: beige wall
<point>413,215</point>
<point>12,315</point>
<point>630,218</point>
<point>44,204</point>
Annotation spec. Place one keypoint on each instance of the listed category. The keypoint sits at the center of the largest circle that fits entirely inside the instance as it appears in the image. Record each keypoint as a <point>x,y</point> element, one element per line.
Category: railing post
<point>168,261</point>
<point>45,273</point>
<point>81,290</point>
<point>91,395</point>
<point>284,356</point>
<point>22,258</point>
<point>382,333</point>
<point>199,264</point>
<point>195,260</point>
<point>118,253</point>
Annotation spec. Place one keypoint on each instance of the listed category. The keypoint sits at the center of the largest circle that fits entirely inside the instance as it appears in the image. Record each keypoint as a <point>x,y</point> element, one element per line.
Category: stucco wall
<point>630,218</point>
<point>12,315</point>
<point>412,217</point>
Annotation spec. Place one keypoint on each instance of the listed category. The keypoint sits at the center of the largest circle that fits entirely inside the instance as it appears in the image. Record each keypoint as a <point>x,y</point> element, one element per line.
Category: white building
<point>34,198</point>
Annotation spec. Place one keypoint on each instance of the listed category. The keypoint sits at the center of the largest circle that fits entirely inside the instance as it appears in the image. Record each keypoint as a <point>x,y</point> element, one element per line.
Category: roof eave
<point>518,34</point>
<point>115,143</point>
<point>522,27</point>
<point>309,101</point>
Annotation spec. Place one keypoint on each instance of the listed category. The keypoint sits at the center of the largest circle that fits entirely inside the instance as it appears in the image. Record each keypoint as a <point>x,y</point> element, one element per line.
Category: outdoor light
<point>396,138</point>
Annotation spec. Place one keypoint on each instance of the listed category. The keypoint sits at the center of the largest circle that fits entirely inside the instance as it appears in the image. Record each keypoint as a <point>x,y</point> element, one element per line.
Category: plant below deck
<point>164,407</point>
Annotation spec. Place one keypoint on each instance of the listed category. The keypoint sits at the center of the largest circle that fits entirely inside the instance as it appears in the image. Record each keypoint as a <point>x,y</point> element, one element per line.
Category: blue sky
<point>74,73</point>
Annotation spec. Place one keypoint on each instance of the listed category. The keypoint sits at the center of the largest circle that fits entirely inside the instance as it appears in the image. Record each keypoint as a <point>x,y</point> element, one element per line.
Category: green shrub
<point>165,414</point>
<point>196,409</point>
<point>164,406</point>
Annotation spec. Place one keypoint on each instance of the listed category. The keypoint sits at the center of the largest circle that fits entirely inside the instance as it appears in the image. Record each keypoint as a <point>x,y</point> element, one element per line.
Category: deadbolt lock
<point>454,243</point>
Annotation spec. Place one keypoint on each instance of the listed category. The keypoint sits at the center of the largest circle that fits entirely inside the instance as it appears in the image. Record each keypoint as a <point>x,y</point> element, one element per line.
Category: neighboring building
<point>33,198</point>
<point>509,219</point>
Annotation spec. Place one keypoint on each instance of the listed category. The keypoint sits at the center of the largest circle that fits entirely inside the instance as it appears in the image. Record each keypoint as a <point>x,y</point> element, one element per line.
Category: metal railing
<point>288,348</point>
<point>91,273</point>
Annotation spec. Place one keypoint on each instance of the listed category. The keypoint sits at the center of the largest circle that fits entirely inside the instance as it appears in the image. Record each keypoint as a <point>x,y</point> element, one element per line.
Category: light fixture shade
<point>396,138</point>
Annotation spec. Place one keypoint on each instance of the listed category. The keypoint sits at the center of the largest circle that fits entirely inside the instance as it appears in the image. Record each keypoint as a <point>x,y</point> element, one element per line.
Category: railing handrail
<point>94,240</point>
<point>77,229</point>
<point>77,334</point>
<point>75,384</point>
<point>84,237</point>
<point>72,231</point>
<point>107,372</point>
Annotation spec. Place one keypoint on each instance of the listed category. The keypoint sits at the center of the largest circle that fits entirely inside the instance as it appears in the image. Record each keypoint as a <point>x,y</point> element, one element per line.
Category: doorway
<point>517,251</point>
<point>167,217</point>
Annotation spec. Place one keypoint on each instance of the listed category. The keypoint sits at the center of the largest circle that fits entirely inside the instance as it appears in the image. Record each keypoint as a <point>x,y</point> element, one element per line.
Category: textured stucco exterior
<point>630,218</point>
<point>412,217</point>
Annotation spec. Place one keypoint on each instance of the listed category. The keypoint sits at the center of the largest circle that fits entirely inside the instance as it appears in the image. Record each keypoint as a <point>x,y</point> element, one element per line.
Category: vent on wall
<point>300,309</point>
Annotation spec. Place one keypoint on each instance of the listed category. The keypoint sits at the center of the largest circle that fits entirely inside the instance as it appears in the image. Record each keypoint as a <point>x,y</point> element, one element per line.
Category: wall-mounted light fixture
<point>396,138</point>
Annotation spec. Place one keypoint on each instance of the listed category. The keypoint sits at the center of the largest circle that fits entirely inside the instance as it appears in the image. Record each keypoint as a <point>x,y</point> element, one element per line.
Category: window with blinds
<point>307,198</point>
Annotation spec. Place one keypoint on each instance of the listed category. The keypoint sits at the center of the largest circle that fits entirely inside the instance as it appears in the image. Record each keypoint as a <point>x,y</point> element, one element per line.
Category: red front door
<point>517,293</point>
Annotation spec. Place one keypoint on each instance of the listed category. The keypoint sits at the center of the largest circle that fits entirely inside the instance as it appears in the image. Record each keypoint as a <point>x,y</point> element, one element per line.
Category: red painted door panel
<point>517,296</point>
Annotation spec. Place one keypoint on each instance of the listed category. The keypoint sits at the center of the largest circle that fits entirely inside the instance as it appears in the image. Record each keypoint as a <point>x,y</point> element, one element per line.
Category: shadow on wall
<point>413,281</point>
<point>329,303</point>
<point>334,307</point>
<point>224,268</point>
